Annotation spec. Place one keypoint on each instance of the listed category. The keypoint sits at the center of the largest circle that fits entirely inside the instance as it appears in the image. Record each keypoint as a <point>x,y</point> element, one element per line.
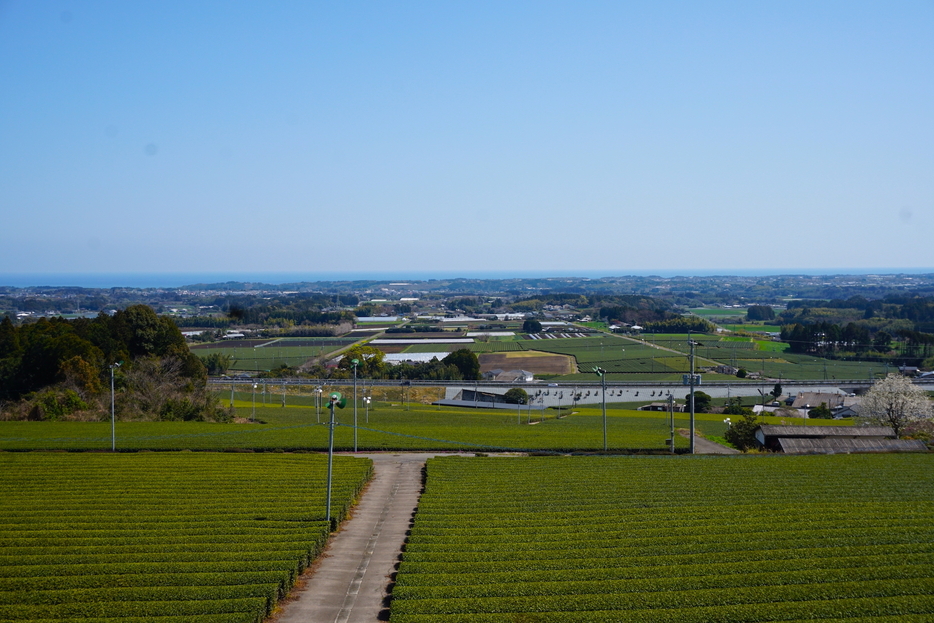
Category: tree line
<point>56,368</point>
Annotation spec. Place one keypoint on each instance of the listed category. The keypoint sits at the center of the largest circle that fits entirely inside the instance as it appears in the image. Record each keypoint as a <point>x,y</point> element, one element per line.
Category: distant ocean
<point>174,280</point>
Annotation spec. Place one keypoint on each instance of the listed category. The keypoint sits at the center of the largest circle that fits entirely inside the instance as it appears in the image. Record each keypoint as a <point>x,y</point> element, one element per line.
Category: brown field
<point>533,361</point>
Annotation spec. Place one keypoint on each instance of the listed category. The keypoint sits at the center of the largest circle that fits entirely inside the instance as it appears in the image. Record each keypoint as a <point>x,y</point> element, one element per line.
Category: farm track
<point>351,582</point>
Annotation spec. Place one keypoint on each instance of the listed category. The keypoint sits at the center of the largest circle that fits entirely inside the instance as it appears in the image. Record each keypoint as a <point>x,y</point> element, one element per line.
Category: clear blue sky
<point>458,136</point>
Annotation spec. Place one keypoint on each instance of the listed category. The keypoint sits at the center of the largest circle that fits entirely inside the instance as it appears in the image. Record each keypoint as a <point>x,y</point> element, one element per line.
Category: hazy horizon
<point>179,279</point>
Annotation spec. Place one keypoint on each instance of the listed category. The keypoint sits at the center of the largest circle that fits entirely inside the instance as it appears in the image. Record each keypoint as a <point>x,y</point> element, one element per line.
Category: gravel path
<point>350,582</point>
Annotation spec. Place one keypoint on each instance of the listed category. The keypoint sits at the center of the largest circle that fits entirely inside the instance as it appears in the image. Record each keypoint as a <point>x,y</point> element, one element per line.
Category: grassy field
<point>841,539</point>
<point>385,426</point>
<point>209,537</point>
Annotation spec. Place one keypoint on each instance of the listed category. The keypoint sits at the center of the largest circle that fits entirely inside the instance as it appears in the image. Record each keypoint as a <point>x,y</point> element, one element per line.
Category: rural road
<point>705,446</point>
<point>350,582</point>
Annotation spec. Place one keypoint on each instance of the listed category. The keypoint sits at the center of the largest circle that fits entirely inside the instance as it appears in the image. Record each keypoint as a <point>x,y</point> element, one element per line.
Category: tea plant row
<point>581,539</point>
<point>161,537</point>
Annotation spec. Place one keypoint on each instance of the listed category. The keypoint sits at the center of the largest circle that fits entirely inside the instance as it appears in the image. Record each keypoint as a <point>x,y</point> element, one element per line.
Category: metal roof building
<point>834,439</point>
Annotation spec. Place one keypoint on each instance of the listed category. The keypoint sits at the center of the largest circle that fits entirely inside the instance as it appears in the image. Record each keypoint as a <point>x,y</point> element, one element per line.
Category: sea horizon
<point>181,279</point>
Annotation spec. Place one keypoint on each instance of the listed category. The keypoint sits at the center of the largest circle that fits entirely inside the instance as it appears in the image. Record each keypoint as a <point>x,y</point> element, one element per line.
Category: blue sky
<point>610,137</point>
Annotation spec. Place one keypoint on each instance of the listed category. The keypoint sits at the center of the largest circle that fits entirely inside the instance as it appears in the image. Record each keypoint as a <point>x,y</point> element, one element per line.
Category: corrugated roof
<point>838,445</point>
<point>773,430</point>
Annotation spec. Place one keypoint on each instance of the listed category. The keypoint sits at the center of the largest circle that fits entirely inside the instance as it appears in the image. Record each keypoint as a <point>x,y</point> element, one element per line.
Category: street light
<point>113,416</point>
<point>336,400</point>
<point>366,401</point>
<point>253,417</point>
<point>602,374</point>
<point>317,393</point>
<point>355,363</point>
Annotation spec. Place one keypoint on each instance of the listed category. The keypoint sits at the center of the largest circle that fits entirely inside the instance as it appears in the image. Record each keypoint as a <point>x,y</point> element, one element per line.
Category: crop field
<point>384,426</point>
<point>841,539</point>
<point>497,347</point>
<point>532,361</point>
<point>171,538</point>
<point>614,354</point>
<point>270,354</point>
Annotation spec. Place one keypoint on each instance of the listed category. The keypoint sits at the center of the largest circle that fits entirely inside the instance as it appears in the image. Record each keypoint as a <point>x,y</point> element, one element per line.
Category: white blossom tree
<point>895,401</point>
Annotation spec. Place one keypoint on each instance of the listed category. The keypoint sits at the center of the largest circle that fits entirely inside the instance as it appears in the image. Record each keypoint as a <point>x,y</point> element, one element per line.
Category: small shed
<point>834,439</point>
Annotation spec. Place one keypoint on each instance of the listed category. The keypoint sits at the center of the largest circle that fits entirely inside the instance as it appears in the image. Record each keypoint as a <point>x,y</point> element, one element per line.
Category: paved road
<point>351,582</point>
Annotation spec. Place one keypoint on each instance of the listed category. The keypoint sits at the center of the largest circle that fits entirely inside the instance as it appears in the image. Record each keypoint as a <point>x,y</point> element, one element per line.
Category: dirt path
<point>351,580</point>
<point>705,446</point>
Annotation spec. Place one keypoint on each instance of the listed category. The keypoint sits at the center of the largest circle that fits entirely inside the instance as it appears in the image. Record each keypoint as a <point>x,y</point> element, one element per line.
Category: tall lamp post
<point>318,392</point>
<point>602,374</point>
<point>366,401</point>
<point>355,363</point>
<point>113,412</point>
<point>336,400</point>
<point>253,417</point>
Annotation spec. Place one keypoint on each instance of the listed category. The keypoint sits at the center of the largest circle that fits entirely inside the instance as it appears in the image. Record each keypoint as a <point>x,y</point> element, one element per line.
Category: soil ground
<point>533,361</point>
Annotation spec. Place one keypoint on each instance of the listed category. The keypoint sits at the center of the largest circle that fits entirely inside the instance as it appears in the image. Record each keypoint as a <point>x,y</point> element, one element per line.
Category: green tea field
<point>841,539</point>
<point>161,537</point>
<point>384,426</point>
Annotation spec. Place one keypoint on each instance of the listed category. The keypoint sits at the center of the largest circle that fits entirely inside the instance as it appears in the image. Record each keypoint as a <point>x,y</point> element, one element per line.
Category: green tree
<point>702,401</point>
<point>777,390</point>
<point>516,396</point>
<point>217,363</point>
<point>821,412</point>
<point>734,406</point>
<point>882,342</point>
<point>532,326</point>
<point>370,358</point>
<point>466,361</point>
<point>760,312</point>
<point>741,373</point>
<point>742,433</point>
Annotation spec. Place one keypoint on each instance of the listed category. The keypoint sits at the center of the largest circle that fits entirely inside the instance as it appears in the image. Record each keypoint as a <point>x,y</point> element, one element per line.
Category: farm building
<point>660,406</point>
<point>810,400</point>
<point>511,376</point>
<point>834,439</point>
